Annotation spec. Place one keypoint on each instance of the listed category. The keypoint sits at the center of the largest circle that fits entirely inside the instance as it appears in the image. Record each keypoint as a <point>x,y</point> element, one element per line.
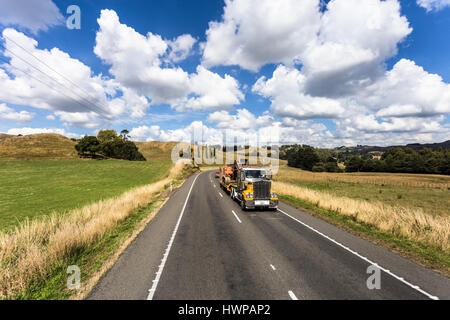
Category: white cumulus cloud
<point>52,80</point>
<point>408,90</point>
<point>253,33</point>
<point>31,15</point>
<point>431,5</point>
<point>181,47</point>
<point>146,73</point>
<point>286,90</point>
<point>7,113</point>
<point>28,131</point>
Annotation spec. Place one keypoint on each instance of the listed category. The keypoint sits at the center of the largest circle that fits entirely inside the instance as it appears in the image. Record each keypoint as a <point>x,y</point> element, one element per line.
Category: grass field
<point>406,213</point>
<point>39,187</point>
<point>429,193</point>
<point>32,258</point>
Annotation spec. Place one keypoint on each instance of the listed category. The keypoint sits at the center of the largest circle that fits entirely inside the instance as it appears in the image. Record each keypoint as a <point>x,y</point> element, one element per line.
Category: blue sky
<point>269,73</point>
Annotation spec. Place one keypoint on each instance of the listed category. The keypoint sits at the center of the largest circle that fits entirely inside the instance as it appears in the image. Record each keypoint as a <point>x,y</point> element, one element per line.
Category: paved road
<point>201,245</point>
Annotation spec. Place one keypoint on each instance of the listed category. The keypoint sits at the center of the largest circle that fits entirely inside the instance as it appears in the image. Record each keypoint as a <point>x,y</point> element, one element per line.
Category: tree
<point>354,164</point>
<point>304,157</point>
<point>124,134</point>
<point>107,136</point>
<point>109,144</point>
<point>444,165</point>
<point>122,149</point>
<point>395,159</point>
<point>331,166</point>
<point>88,145</point>
<point>318,167</point>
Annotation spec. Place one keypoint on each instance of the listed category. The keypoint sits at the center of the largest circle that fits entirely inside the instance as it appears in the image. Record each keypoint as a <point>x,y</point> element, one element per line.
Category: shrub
<point>109,144</point>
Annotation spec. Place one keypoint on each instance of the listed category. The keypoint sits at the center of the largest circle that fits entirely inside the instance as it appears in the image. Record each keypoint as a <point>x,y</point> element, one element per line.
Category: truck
<point>251,187</point>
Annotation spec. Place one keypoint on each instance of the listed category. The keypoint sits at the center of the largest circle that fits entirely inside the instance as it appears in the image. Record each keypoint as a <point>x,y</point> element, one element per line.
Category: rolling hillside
<point>37,146</point>
<point>375,149</point>
<point>156,150</point>
<point>55,146</point>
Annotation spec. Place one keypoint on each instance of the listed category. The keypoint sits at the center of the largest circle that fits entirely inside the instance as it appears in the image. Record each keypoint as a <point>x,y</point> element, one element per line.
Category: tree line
<point>396,160</point>
<point>109,144</point>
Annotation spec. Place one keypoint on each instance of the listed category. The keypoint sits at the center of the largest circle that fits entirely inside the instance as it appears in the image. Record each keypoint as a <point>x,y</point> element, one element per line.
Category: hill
<point>361,150</point>
<point>4,136</point>
<point>156,150</point>
<point>43,145</point>
<point>433,146</point>
<point>55,146</point>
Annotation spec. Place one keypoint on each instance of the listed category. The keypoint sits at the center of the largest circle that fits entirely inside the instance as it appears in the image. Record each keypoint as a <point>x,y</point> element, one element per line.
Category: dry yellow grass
<point>156,150</point>
<point>44,145</point>
<point>89,284</point>
<point>4,136</point>
<point>35,245</point>
<point>412,224</point>
<point>393,179</point>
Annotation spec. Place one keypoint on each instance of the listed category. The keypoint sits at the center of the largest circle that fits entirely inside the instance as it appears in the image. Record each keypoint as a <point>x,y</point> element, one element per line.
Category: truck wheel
<point>243,207</point>
<point>232,194</point>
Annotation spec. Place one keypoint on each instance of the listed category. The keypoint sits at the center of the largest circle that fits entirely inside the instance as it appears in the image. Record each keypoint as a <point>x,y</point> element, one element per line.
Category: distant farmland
<point>429,193</point>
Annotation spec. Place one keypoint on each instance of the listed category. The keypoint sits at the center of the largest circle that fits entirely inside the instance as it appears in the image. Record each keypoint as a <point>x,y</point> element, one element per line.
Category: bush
<point>88,146</point>
<point>304,157</point>
<point>109,144</point>
<point>121,149</point>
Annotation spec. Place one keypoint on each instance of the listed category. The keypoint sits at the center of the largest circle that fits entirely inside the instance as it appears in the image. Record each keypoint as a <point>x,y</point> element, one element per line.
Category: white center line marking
<point>273,267</point>
<point>152,290</point>
<point>364,258</point>
<point>236,216</point>
<point>220,194</point>
<point>292,295</point>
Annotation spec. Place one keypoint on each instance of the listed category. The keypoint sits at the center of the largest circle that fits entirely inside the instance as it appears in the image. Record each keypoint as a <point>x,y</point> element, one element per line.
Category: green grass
<point>433,201</point>
<point>419,252</point>
<point>89,259</point>
<point>38,187</point>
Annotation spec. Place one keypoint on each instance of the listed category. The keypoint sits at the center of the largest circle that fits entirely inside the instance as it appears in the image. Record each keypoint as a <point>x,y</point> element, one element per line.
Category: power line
<point>51,87</point>
<point>49,66</point>
<point>96,108</point>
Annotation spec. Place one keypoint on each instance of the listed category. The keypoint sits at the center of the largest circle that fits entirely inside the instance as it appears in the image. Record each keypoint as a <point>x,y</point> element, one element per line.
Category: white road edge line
<point>273,267</point>
<point>152,290</point>
<point>292,295</point>
<point>417,288</point>
<point>236,216</point>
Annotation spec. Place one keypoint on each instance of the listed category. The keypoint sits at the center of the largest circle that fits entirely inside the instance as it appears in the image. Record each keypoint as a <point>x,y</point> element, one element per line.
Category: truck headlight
<point>273,194</point>
<point>250,195</point>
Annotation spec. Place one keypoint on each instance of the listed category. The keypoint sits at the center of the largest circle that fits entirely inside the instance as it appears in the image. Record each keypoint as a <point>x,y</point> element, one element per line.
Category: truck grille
<point>261,190</point>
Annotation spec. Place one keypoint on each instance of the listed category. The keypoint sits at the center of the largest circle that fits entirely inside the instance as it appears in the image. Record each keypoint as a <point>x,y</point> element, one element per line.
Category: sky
<point>323,73</point>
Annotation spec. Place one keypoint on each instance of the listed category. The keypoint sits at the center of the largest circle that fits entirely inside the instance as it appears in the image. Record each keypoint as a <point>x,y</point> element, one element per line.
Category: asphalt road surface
<point>201,245</point>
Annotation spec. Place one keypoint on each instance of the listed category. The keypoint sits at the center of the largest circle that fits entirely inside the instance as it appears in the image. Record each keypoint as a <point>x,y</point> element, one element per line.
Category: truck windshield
<point>252,174</point>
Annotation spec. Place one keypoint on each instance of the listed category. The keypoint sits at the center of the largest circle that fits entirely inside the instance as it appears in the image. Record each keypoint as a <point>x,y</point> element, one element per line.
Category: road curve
<point>201,245</point>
